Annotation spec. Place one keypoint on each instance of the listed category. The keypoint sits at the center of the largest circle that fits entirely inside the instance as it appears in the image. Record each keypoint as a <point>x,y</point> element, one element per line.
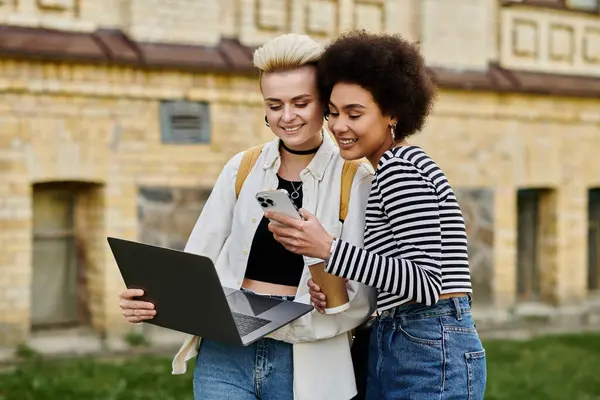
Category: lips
<point>347,142</point>
<point>292,129</point>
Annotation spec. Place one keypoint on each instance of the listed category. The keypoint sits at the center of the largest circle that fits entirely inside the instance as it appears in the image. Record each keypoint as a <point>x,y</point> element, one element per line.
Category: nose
<point>288,114</point>
<point>337,126</point>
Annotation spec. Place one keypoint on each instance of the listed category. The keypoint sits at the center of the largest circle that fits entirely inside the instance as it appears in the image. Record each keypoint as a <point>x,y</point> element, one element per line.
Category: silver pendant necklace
<point>294,195</point>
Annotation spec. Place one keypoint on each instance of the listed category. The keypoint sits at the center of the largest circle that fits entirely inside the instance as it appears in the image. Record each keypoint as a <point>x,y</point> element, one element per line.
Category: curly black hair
<point>388,66</point>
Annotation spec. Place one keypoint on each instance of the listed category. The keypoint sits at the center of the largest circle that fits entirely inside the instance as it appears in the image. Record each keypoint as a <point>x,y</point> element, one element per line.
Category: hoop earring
<point>267,122</point>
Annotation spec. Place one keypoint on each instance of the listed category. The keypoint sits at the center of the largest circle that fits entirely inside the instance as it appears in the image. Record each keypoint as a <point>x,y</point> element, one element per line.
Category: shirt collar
<point>317,165</point>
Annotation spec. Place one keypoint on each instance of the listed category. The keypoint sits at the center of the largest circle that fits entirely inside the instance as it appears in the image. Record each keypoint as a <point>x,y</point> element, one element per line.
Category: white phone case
<point>278,201</point>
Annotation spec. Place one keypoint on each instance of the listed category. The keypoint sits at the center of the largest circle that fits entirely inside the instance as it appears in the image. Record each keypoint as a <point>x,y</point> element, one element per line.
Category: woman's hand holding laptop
<point>135,310</point>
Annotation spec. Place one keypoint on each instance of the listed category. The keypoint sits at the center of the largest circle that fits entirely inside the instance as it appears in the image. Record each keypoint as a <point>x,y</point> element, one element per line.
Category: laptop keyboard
<point>247,324</point>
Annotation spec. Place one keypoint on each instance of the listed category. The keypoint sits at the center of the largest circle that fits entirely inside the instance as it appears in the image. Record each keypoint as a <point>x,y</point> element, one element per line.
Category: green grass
<point>139,378</point>
<point>549,368</point>
<point>560,367</point>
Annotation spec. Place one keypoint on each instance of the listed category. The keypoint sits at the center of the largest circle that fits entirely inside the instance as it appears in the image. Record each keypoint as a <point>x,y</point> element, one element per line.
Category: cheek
<point>363,127</point>
<point>312,114</point>
<point>271,115</point>
<point>330,124</point>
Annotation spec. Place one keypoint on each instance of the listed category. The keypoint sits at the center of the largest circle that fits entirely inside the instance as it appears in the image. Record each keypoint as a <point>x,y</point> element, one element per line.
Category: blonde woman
<point>234,234</point>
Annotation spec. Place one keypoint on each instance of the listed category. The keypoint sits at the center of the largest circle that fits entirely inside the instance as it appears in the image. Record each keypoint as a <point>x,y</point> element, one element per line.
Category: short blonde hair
<point>287,52</point>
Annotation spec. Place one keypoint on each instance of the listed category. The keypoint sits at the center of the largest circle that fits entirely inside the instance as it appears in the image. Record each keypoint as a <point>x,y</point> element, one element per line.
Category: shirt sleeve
<point>405,218</point>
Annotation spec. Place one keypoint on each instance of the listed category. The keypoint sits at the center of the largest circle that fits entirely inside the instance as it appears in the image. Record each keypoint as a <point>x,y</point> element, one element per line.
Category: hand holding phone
<point>278,201</point>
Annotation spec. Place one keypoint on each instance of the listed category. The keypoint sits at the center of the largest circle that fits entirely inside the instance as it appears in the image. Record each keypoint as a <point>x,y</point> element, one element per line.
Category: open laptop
<point>188,296</point>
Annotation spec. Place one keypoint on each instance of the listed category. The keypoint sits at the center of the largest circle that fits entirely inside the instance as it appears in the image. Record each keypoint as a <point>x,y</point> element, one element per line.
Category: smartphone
<point>278,201</point>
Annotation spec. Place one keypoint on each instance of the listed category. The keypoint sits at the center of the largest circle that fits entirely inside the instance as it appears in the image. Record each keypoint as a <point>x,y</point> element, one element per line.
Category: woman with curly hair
<point>424,344</point>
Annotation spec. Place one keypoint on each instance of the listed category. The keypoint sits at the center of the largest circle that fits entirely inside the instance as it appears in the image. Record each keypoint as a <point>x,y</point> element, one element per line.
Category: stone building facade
<point>116,117</point>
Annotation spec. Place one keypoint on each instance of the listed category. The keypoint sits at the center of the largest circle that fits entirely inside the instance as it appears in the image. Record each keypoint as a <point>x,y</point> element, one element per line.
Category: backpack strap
<point>248,160</point>
<point>348,171</point>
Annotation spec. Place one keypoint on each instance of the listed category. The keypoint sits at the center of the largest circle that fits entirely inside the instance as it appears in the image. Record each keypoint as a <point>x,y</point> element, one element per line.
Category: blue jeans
<point>423,353</point>
<point>262,370</point>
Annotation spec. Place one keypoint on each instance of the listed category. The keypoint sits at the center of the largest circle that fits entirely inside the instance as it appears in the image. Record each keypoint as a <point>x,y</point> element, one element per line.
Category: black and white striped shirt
<point>415,238</point>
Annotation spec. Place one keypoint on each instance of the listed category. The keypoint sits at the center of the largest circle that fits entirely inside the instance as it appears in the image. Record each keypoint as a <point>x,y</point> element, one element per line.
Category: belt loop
<point>456,302</point>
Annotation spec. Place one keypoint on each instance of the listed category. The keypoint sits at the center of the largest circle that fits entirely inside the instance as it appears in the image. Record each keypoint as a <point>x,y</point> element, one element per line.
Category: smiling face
<point>357,123</point>
<point>292,106</point>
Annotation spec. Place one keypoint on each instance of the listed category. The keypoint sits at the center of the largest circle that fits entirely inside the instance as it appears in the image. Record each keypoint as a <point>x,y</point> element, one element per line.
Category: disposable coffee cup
<point>331,286</point>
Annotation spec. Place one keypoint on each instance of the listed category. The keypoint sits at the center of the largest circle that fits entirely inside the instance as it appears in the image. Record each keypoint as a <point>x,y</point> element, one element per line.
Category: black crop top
<point>269,261</point>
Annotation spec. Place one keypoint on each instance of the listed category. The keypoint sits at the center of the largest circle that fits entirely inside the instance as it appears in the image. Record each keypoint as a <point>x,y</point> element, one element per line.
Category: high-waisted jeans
<point>424,353</point>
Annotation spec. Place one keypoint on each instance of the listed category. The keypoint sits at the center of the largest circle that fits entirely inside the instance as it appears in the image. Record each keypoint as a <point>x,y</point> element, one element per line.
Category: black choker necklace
<point>300,152</point>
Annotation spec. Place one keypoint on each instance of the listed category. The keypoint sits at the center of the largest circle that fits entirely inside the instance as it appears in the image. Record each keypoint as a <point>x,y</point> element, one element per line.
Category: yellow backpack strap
<point>248,160</point>
<point>348,172</point>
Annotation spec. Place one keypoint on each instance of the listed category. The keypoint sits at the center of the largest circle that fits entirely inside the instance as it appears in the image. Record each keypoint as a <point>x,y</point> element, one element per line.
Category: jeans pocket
<point>476,374</point>
<point>427,331</point>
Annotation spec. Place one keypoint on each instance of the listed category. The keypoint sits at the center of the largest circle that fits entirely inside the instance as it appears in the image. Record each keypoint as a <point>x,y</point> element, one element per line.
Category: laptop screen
<point>250,304</point>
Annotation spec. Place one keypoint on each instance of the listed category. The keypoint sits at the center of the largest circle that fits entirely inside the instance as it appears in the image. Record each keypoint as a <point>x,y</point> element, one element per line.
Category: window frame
<point>170,108</point>
<point>552,4</point>
<point>593,241</point>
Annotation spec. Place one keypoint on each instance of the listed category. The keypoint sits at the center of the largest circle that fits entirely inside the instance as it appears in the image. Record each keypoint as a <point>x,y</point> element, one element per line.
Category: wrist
<point>328,247</point>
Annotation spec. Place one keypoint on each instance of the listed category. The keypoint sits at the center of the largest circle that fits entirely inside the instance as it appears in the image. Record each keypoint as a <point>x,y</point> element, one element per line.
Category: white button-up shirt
<point>224,233</point>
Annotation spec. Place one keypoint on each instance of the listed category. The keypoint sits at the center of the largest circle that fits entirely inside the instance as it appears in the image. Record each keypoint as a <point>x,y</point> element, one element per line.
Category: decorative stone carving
<point>57,5</point>
<point>591,45</point>
<point>525,42</point>
<point>369,15</point>
<point>322,17</point>
<point>550,41</point>
<point>272,15</point>
<point>562,43</point>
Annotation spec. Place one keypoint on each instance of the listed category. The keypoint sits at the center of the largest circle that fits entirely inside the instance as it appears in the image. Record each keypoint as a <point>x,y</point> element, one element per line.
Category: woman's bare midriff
<point>269,288</point>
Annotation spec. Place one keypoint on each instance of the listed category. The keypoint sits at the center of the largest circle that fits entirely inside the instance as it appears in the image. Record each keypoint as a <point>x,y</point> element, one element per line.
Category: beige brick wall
<point>457,33</point>
<point>15,260</point>
<point>90,233</point>
<point>73,15</point>
<point>516,141</point>
<point>179,21</point>
<point>100,125</point>
<point>464,34</point>
<point>206,21</point>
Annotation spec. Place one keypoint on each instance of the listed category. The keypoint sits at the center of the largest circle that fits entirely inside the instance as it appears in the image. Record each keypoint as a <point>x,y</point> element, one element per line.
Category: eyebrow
<point>353,106</point>
<point>299,97</point>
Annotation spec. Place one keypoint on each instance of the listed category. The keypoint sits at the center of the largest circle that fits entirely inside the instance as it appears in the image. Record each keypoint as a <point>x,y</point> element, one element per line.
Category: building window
<point>184,122</point>
<point>527,263</point>
<point>166,216</point>
<point>68,242</point>
<point>583,5</point>
<point>594,240</point>
<point>54,281</point>
<point>576,5</point>
<point>536,244</point>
